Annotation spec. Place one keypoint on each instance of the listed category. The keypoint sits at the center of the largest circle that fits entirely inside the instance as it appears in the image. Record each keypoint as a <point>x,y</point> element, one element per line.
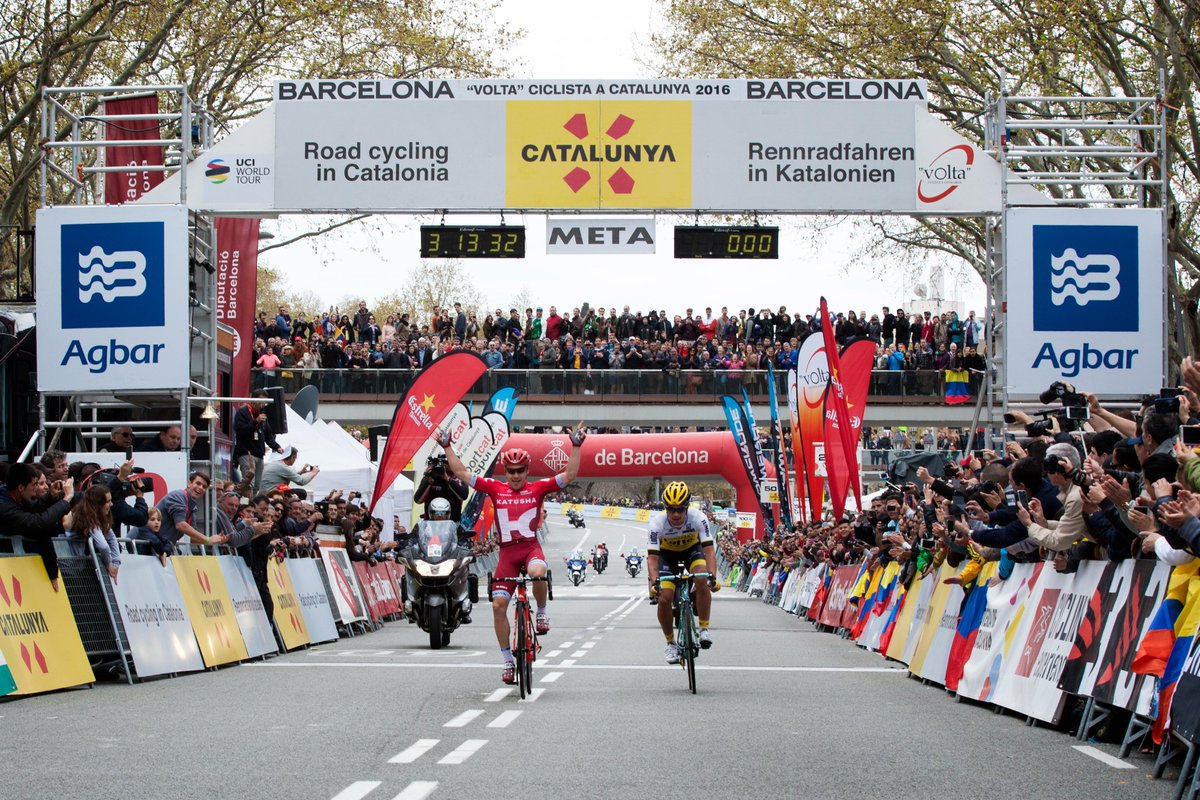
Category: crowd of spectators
<point>1117,486</point>
<point>595,339</point>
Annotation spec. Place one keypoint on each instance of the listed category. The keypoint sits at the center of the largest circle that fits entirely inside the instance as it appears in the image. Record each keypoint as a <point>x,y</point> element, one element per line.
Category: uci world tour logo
<point>1085,278</point>
<point>217,171</point>
<point>113,275</point>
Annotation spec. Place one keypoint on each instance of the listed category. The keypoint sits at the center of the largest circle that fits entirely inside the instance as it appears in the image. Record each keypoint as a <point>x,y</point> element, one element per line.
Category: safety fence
<point>1109,641</point>
<point>203,609</point>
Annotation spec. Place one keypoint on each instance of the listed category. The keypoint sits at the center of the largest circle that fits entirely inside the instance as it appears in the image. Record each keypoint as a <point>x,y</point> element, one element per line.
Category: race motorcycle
<point>577,570</point>
<point>633,565</point>
<point>439,588</point>
<point>575,518</point>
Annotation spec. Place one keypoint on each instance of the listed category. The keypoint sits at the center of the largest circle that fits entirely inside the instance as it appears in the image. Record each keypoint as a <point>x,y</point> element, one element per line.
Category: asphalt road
<point>782,712</point>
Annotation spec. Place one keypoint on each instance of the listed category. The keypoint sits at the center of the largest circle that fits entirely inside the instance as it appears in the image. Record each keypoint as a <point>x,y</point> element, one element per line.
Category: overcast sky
<point>816,257</point>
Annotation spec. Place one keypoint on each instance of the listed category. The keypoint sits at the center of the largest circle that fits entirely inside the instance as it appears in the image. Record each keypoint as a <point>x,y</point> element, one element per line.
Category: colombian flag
<point>1169,639</point>
<point>957,386</point>
<point>969,621</point>
<point>889,627</point>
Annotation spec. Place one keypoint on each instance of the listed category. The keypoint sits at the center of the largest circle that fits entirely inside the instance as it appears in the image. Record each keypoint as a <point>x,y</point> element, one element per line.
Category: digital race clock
<point>726,242</point>
<point>488,241</point>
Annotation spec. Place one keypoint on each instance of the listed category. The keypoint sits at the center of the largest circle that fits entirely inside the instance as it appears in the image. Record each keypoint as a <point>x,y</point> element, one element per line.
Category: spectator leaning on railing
<point>32,508</point>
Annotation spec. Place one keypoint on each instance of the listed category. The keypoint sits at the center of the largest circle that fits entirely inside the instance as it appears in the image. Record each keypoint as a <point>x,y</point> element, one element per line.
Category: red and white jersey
<point>518,514</point>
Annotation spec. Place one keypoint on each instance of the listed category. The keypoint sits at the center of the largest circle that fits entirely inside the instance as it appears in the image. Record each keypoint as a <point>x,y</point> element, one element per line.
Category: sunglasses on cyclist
<point>517,470</point>
<point>676,509</point>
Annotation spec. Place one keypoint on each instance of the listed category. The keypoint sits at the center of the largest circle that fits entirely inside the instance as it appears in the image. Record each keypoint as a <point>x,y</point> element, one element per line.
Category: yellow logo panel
<point>211,609</point>
<point>288,616</point>
<point>599,154</point>
<point>37,630</point>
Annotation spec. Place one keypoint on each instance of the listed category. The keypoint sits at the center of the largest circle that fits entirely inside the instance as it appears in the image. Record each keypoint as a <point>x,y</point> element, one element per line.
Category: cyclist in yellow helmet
<point>680,537</point>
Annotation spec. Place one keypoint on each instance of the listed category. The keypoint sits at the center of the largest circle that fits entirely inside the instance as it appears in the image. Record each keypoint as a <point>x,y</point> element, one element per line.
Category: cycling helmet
<point>676,494</point>
<point>439,507</point>
<point>515,457</point>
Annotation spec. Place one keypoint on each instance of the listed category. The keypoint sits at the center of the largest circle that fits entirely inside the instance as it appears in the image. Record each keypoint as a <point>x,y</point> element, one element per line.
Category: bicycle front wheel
<point>687,642</point>
<point>521,651</point>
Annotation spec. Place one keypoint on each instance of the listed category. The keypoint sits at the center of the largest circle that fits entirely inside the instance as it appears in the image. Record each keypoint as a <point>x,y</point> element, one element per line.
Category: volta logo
<point>615,154</point>
<point>217,171</point>
<point>556,459</point>
<point>14,621</point>
<point>1085,278</point>
<point>945,173</point>
<point>113,275</point>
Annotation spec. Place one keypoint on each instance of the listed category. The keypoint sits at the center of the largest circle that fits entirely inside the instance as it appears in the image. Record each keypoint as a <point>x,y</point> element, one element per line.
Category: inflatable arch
<point>647,455</point>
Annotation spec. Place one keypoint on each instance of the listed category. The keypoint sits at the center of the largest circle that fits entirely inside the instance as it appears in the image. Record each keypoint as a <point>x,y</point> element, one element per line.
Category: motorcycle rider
<point>602,554</point>
<point>633,561</point>
<point>518,505</point>
<point>576,563</point>
<point>438,511</point>
<point>680,537</point>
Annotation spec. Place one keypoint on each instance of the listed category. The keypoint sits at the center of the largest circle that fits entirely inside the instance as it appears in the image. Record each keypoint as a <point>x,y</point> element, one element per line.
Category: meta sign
<point>112,298</point>
<point>1085,300</point>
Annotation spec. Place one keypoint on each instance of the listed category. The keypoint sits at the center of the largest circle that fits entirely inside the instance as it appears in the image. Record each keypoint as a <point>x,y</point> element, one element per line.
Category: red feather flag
<point>835,398</point>
<point>429,401</point>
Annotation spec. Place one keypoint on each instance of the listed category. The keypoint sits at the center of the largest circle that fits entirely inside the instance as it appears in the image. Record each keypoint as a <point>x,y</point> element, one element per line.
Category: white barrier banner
<point>155,617</point>
<point>923,600</point>
<point>938,655</point>
<point>1028,682</point>
<point>247,606</point>
<point>1085,299</point>
<point>166,471</point>
<point>995,641</point>
<point>112,286</point>
<point>346,592</point>
<point>812,582</point>
<point>314,603</point>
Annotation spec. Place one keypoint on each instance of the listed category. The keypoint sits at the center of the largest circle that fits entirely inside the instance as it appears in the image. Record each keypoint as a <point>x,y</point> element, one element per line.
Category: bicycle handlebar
<point>522,579</point>
<point>683,577</point>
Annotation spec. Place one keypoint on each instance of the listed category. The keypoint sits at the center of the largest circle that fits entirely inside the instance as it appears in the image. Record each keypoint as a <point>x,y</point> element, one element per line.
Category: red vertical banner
<point>237,287</point>
<point>855,361</point>
<point>134,180</point>
<point>842,466</point>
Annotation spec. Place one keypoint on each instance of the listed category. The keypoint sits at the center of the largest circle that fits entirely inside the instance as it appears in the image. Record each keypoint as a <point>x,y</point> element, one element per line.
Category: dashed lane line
<point>414,751</point>
<point>567,662</point>
<point>464,751</point>
<point>578,654</point>
<point>534,694</point>
<point>357,790</point>
<point>504,720</point>
<point>497,696</point>
<point>417,790</point>
<point>589,645</point>
<point>551,677</point>
<point>554,654</point>
<point>464,719</point>
<point>1103,757</point>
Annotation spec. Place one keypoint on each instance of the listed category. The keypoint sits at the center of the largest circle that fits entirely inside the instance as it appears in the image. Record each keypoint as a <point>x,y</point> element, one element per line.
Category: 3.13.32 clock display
<point>460,241</point>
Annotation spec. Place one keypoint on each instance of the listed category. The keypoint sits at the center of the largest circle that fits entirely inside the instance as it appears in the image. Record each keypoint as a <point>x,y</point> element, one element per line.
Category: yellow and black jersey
<point>694,532</point>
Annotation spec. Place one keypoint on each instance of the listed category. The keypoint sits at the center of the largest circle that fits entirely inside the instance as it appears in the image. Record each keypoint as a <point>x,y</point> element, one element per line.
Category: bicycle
<point>525,645</point>
<point>687,630</point>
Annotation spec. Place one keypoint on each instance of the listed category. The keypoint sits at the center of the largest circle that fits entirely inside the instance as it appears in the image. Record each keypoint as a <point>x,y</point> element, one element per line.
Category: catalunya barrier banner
<point>1028,641</point>
<point>38,636</point>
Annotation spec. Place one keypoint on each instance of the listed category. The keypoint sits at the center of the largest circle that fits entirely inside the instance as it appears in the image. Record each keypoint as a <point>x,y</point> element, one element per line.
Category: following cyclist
<point>518,505</point>
<point>680,538</point>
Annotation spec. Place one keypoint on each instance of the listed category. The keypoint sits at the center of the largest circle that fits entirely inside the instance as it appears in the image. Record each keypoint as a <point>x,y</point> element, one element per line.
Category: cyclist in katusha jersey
<point>680,538</point>
<point>518,505</point>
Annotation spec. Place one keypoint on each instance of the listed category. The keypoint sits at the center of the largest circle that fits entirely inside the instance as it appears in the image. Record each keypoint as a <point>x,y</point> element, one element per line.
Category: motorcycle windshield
<point>576,565</point>
<point>437,540</point>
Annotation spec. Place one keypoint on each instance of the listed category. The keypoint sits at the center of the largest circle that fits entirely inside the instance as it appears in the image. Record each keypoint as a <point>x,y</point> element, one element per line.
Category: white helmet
<point>439,507</point>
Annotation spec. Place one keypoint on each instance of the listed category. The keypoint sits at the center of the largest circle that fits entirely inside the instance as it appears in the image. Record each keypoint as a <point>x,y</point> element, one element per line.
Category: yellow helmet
<point>676,494</point>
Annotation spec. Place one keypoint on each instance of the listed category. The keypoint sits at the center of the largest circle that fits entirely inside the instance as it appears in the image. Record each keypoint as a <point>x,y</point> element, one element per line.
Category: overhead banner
<point>237,291</point>
<point>314,603</point>
<point>112,298</point>
<point>210,608</point>
<point>38,636</point>
<point>1085,300</point>
<point>346,593</point>
<point>248,606</point>
<point>825,146</point>
<point>289,619</point>
<point>155,617</point>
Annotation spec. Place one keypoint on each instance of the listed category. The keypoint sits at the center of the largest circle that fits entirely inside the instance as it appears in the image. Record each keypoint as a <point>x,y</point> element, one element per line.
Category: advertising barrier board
<point>157,624</point>
<point>248,606</point>
<point>289,619</point>
<point>210,609</point>
<point>314,604</point>
<point>38,635</point>
<point>347,594</point>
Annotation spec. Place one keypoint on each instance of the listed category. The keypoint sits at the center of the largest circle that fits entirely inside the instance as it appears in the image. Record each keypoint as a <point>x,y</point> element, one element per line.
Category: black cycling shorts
<point>672,563</point>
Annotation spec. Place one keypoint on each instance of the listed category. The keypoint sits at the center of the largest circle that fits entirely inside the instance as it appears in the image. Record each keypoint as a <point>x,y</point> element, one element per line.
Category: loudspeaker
<point>276,413</point>
<point>374,433</point>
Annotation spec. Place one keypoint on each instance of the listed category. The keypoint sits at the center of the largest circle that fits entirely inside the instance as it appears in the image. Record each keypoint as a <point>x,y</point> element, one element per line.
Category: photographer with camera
<point>1028,482</point>
<point>1062,469</point>
<point>252,435</point>
<point>284,470</point>
<point>123,483</point>
<point>439,482</point>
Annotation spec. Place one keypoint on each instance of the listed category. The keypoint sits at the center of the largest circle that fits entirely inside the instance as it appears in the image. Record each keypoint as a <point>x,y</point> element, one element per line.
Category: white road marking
<point>534,694</point>
<point>504,720</point>
<point>578,654</point>
<point>357,790</point>
<point>554,654</point>
<point>589,645</point>
<point>1103,757</point>
<point>610,629</point>
<point>497,696</point>
<point>592,628</point>
<point>414,751</point>
<point>464,718</point>
<point>582,539</point>
<point>551,677</point>
<point>567,663</point>
<point>567,645</point>
<point>417,790</point>
<point>463,751</point>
